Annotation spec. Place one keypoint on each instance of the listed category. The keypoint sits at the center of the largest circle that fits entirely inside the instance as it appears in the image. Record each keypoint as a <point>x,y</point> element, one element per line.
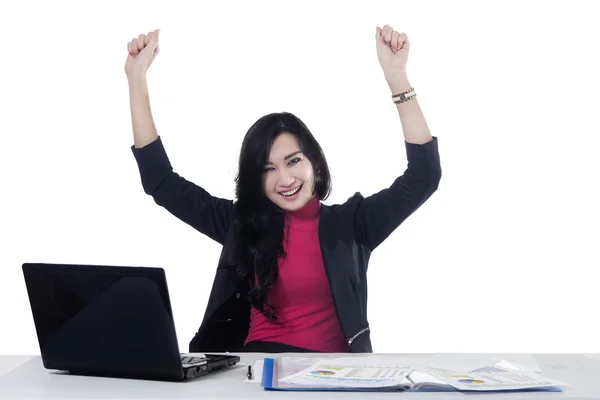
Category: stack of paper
<point>377,373</point>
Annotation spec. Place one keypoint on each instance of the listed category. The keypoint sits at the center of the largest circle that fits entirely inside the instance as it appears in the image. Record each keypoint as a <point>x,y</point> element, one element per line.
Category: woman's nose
<point>285,178</point>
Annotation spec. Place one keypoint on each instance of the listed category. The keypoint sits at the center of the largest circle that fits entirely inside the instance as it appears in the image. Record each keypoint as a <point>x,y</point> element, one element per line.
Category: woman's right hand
<point>142,51</point>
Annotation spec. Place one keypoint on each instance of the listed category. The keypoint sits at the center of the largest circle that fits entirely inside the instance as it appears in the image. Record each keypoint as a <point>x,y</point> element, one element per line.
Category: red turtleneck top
<point>306,315</point>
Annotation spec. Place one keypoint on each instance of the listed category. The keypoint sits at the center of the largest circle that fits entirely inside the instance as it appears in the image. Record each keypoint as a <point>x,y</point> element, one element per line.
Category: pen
<point>249,374</point>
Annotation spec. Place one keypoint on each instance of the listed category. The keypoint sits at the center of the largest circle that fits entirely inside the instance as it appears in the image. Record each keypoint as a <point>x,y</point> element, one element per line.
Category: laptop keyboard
<point>192,360</point>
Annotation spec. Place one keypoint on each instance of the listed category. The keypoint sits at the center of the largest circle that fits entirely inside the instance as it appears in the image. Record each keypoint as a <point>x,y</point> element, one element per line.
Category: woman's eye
<point>294,160</point>
<point>267,169</point>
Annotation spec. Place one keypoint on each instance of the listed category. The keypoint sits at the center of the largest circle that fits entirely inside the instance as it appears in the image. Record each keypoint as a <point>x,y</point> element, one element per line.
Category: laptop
<point>112,321</point>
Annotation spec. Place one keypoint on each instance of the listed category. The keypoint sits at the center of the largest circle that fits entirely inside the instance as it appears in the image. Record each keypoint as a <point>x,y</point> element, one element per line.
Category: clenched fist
<point>392,50</point>
<point>142,51</point>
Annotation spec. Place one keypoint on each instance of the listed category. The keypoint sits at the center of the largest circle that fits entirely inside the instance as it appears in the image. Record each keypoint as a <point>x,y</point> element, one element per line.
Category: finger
<point>378,36</point>
<point>387,34</point>
<point>140,42</point>
<point>403,41</point>
<point>151,35</point>
<point>153,42</point>
<point>134,47</point>
<point>155,37</point>
<point>394,42</point>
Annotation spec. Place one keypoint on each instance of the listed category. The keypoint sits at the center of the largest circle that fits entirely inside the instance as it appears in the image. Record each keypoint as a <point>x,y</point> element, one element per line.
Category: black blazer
<point>348,233</point>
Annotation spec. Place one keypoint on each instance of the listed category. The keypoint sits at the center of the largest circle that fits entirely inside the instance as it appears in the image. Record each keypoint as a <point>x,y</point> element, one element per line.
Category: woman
<point>292,272</point>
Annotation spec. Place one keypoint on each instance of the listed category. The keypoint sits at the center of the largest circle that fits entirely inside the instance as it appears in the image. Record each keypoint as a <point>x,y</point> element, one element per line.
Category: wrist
<point>398,83</point>
<point>137,81</point>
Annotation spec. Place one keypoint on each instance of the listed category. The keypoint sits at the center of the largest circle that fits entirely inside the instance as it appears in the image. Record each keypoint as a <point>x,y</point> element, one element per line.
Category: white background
<point>502,258</point>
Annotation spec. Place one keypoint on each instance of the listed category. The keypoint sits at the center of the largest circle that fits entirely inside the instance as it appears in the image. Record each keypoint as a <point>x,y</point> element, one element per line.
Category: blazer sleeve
<point>378,215</point>
<point>187,201</point>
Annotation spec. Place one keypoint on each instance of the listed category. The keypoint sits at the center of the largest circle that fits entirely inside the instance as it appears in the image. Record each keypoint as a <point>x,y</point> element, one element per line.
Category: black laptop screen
<point>58,293</point>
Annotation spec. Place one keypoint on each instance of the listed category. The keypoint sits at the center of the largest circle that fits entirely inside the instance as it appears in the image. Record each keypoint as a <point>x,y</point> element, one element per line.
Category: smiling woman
<point>278,160</point>
<point>287,173</point>
<point>288,150</point>
<point>292,272</point>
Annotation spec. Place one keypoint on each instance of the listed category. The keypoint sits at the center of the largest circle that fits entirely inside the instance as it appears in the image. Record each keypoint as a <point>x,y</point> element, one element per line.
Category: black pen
<point>249,374</point>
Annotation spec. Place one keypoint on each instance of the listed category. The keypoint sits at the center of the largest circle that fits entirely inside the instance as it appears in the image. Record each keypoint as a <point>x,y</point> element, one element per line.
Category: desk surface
<point>25,377</point>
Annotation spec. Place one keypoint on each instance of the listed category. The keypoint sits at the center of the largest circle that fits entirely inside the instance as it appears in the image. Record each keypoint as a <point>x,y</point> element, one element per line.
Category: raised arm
<point>185,200</point>
<point>380,214</point>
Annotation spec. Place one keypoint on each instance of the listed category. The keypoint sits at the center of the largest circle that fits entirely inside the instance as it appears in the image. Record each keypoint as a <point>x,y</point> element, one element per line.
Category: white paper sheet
<point>492,378</point>
<point>347,373</point>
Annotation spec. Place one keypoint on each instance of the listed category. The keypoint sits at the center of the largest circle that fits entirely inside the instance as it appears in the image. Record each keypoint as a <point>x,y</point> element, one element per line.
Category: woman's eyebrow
<point>288,156</point>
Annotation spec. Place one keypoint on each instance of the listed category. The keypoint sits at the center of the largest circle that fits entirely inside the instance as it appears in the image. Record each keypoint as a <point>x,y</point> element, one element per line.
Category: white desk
<point>24,377</point>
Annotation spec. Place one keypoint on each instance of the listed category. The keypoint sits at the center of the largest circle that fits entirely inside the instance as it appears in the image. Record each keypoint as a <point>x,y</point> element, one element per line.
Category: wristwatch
<point>404,96</point>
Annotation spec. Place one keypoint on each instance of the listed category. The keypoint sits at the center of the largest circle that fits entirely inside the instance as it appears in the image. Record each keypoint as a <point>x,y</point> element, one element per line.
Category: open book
<point>365,374</point>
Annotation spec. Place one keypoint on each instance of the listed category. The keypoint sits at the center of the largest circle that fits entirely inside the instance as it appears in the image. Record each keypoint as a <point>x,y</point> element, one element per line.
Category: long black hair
<point>259,223</point>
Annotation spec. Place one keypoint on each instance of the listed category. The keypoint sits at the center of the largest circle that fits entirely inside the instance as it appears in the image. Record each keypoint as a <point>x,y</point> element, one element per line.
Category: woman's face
<point>288,177</point>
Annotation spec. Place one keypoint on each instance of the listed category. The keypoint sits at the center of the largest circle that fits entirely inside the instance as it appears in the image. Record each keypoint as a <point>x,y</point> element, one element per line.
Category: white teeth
<point>291,192</point>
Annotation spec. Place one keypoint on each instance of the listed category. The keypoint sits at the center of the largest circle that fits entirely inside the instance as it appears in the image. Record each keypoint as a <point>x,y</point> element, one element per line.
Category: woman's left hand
<point>392,50</point>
